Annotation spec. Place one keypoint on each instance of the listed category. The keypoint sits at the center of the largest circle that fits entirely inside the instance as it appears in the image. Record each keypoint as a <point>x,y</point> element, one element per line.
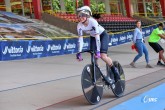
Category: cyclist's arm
<point>80,43</point>
<point>80,39</point>
<point>97,38</point>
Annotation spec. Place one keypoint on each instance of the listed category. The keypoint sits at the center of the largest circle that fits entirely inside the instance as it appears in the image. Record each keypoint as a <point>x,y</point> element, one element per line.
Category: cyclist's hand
<point>98,55</point>
<point>79,57</point>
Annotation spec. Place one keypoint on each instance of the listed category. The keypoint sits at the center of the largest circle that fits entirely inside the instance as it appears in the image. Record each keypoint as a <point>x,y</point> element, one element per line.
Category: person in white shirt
<point>99,38</point>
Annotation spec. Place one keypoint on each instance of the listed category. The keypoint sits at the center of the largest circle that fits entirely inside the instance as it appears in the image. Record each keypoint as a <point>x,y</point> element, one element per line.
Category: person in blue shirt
<point>140,45</point>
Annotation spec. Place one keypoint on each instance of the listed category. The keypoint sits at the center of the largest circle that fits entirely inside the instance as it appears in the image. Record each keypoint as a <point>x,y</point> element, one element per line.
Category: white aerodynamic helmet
<point>85,9</point>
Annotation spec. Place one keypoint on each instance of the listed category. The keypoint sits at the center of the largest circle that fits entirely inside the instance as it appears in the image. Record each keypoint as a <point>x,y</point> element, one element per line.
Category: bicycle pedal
<point>113,86</point>
<point>109,81</point>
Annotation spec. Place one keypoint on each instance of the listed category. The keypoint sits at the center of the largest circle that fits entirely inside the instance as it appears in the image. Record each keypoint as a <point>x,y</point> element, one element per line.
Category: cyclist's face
<point>82,17</point>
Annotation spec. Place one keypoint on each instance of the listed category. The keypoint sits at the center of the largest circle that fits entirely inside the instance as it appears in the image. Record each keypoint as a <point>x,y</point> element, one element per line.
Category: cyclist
<point>98,37</point>
<point>154,38</point>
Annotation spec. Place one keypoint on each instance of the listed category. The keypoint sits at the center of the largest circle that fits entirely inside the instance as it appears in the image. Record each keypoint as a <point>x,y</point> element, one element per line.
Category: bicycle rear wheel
<point>92,91</point>
<point>119,86</point>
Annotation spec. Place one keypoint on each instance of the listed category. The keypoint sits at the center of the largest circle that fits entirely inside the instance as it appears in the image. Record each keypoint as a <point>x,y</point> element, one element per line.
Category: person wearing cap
<point>99,38</point>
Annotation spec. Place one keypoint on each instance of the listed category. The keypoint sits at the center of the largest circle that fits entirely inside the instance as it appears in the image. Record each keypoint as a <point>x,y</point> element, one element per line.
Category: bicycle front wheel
<point>92,91</point>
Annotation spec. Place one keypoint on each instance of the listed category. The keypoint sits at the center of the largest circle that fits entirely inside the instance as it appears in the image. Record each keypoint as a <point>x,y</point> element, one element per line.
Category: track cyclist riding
<point>99,38</point>
<point>92,78</point>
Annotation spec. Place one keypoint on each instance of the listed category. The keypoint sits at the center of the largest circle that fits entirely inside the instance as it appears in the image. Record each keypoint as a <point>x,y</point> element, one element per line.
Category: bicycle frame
<point>93,62</point>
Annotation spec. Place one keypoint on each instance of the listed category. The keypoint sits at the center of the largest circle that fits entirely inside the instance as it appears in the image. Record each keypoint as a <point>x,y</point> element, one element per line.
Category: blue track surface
<point>153,99</point>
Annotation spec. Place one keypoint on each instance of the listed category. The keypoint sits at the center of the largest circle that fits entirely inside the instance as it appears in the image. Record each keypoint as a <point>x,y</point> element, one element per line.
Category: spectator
<point>154,38</point>
<point>139,43</point>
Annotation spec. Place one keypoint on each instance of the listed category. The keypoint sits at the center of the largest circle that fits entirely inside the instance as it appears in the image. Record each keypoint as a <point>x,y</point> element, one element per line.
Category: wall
<point>63,24</point>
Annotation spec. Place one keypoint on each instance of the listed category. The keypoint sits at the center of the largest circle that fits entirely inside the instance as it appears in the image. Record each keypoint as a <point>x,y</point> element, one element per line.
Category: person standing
<point>156,35</point>
<point>140,45</point>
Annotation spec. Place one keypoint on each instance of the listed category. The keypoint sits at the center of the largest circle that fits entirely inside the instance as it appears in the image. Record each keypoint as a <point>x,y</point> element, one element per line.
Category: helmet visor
<point>81,15</point>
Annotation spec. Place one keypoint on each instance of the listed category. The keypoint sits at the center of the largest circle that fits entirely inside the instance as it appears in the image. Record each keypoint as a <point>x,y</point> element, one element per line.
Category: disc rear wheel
<point>119,85</point>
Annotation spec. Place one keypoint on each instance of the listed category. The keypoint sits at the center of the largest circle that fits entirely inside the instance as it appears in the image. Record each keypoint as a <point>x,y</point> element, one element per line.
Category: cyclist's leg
<point>104,38</point>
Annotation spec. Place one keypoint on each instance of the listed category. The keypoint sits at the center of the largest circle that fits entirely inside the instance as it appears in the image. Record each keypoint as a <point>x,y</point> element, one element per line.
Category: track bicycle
<point>93,80</point>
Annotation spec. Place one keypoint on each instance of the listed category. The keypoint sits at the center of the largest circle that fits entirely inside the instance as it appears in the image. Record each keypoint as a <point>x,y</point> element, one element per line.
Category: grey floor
<point>54,83</point>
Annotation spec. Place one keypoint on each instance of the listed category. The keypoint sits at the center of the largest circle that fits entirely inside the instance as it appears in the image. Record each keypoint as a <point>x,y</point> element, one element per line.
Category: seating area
<point>111,17</point>
<point>118,26</point>
<point>67,16</point>
<point>111,22</point>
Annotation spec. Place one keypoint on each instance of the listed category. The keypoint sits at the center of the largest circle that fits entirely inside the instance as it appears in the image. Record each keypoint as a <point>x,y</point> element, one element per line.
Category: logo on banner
<point>35,49</point>
<point>54,47</point>
<point>12,50</point>
<point>85,45</point>
<point>129,37</point>
<point>143,32</point>
<point>122,38</point>
<point>148,31</point>
<point>114,40</point>
<point>69,46</point>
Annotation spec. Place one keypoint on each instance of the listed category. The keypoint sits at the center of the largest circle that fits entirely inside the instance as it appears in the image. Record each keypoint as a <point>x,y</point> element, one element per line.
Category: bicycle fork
<point>93,61</point>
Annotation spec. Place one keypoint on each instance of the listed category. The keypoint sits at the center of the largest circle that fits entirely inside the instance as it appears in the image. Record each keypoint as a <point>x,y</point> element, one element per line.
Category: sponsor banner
<point>147,31</point>
<point>70,46</point>
<point>36,49</point>
<point>129,36</point>
<point>115,39</point>
<point>118,39</point>
<point>122,38</point>
<point>54,47</point>
<point>86,45</point>
<point>11,50</point>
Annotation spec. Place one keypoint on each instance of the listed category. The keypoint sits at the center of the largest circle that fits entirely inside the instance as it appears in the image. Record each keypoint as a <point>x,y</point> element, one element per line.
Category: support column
<point>128,7</point>
<point>37,8</point>
<point>162,3</point>
<point>122,7</point>
<point>107,6</point>
<point>87,2</point>
<point>23,11</point>
<point>62,4</point>
<point>8,5</point>
<point>144,6</point>
<point>76,2</point>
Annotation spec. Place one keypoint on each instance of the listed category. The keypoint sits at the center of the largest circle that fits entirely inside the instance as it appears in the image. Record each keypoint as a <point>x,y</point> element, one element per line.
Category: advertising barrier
<point>15,50</point>
<point>24,49</point>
